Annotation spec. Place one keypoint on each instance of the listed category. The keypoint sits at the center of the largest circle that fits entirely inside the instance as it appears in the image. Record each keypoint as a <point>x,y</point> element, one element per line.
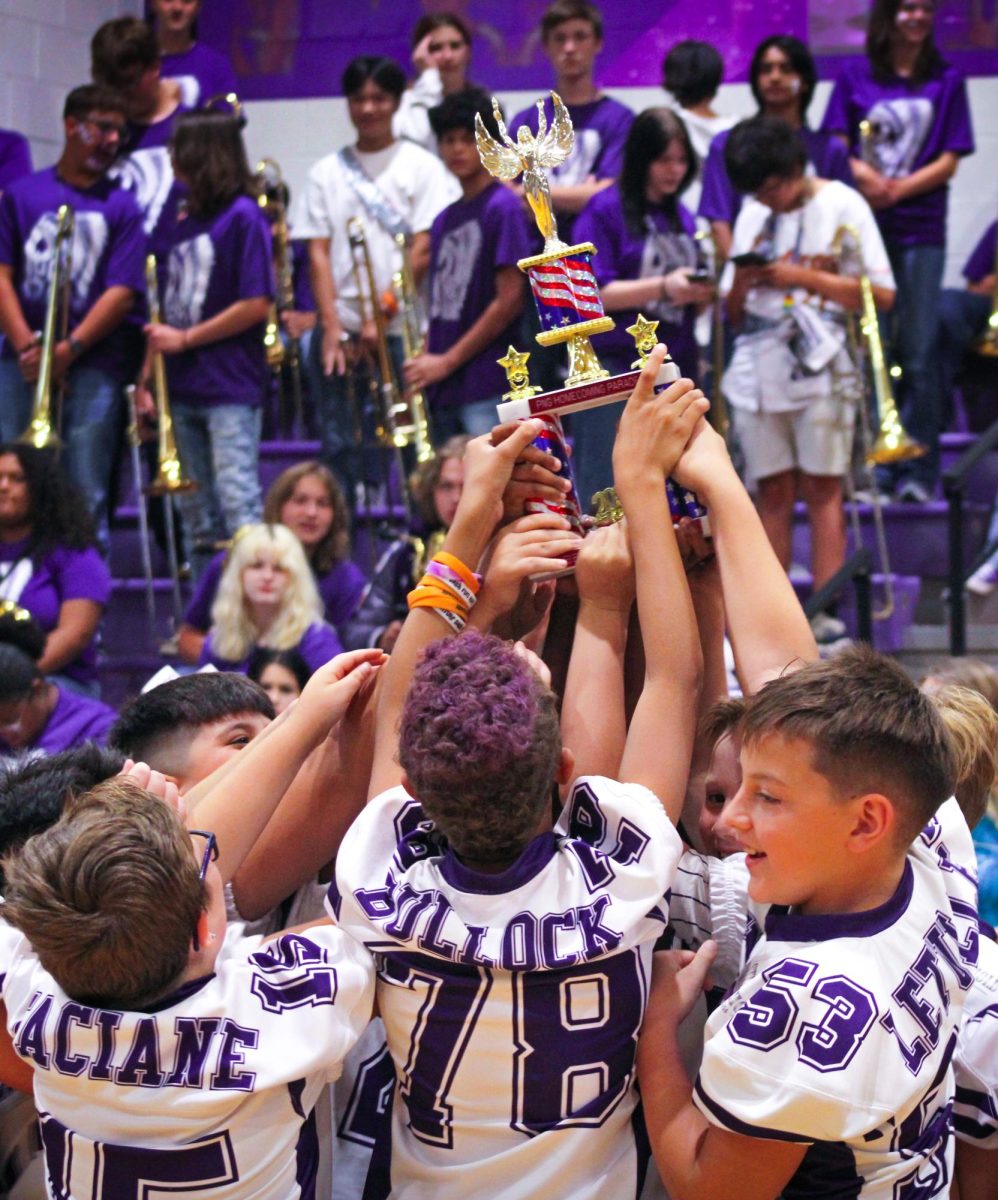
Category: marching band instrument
<point>413,342</point>
<point>169,474</point>
<point>718,415</point>
<point>134,436</point>
<point>987,343</point>
<point>41,432</point>
<point>397,428</point>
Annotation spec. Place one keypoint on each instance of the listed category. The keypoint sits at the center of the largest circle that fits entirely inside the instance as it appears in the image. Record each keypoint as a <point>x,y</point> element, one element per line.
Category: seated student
<point>49,562</point>
<point>783,77</point>
<point>791,383</point>
<point>281,673</point>
<point>113,953</point>
<point>537,935</point>
<point>476,289</point>
<point>831,1053</point>
<point>35,713</point>
<point>267,597</point>
<point>307,499</point>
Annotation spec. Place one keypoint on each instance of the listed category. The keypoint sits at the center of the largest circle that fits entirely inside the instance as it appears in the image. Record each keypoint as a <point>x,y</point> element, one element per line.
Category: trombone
<point>41,433</point>
<point>718,415</point>
<point>170,479</point>
<point>414,343</point>
<point>987,343</point>
<point>892,443</point>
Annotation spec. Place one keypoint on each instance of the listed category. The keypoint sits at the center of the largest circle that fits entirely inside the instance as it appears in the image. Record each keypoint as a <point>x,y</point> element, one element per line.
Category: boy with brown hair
<point>122,991</point>
<point>831,1055</point>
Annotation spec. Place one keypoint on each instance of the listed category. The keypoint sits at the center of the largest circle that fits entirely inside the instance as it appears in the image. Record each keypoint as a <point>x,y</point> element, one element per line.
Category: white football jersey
<point>841,1031</point>
<point>512,1002</point>
<point>209,1092</point>
<point>975,1112</point>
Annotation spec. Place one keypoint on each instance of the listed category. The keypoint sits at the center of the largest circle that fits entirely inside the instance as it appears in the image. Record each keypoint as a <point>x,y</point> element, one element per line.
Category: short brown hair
<point>721,719</point>
<point>335,546</point>
<point>869,727</point>
<point>109,896</point>
<point>972,725</point>
<point>973,673</point>
<point>120,50</point>
<point>571,10</point>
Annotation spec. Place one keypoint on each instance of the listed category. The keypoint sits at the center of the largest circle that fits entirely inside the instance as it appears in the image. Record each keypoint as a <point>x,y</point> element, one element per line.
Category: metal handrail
<point>954,487</point>
<point>856,569</point>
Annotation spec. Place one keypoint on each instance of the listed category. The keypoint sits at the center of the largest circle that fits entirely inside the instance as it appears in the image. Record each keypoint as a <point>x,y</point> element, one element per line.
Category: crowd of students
<point>466,875</point>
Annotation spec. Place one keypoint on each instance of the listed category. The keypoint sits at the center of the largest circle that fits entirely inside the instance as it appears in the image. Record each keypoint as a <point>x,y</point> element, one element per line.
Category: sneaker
<point>871,495</point>
<point>913,492</point>
<point>984,580</point>
<point>828,629</point>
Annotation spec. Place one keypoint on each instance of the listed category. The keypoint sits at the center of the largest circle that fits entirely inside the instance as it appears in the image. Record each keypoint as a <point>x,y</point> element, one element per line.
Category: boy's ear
<point>203,931</point>
<point>566,767</point>
<point>875,819</point>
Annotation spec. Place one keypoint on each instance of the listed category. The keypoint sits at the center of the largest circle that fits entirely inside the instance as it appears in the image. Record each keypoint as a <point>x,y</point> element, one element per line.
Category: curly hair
<point>480,744</point>
<point>335,546</point>
<point>57,510</point>
<point>234,631</point>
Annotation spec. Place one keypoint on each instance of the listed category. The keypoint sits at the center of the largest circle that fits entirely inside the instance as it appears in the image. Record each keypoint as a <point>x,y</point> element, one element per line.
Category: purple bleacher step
<point>125,628</point>
<point>276,457</point>
<point>890,629</point>
<point>982,482</point>
<point>917,536</point>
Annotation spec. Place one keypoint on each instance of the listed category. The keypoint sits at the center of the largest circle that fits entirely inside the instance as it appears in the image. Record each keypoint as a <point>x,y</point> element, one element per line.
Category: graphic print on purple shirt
<point>601,129</point>
<point>913,125</point>
<point>623,254</point>
<point>318,645</point>
<point>108,251</point>
<point>470,239</point>
<point>340,587</point>
<point>145,168</point>
<point>42,586</point>
<point>15,157</point>
<point>74,720</point>
<point>982,257</point>
<point>207,264</point>
<point>720,202</point>
<point>201,72</point>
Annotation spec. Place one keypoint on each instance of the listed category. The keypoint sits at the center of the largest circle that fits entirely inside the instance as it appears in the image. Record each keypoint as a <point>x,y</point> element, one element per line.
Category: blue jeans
<point>92,415</point>
<point>962,318</point>
<point>474,419</point>
<point>219,447</point>
<point>918,273</point>
<point>348,415</point>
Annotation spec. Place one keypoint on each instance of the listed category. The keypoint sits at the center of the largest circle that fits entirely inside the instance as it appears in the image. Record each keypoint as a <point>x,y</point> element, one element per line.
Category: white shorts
<point>816,439</point>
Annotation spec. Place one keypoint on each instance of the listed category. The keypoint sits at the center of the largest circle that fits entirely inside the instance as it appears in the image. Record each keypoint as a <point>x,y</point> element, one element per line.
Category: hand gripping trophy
<point>565,293</point>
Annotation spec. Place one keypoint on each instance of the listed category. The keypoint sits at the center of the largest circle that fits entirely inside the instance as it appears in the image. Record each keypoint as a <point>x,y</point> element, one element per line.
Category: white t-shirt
<point>211,1090</point>
<point>512,1002</point>
<point>416,184</point>
<point>840,1031</point>
<point>754,379</point>
<point>412,118</point>
<point>975,1111</point>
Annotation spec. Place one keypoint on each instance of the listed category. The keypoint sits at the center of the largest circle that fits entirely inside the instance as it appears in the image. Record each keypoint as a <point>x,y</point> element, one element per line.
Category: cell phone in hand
<point>700,277</point>
<point>751,259</point>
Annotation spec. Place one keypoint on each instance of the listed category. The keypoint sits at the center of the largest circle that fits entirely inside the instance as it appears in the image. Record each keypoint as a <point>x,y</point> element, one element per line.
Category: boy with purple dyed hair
<point>515,950</point>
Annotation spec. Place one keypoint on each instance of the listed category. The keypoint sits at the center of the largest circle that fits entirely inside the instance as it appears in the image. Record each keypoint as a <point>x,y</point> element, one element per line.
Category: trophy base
<point>582,396</point>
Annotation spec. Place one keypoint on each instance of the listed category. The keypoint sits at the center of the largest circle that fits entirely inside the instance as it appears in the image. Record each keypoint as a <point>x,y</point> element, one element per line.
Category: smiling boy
<point>831,1056</point>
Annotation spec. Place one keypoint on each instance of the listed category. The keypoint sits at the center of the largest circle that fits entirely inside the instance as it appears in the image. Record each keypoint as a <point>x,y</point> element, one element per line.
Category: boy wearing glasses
<point>105,273</point>
<point>160,1051</point>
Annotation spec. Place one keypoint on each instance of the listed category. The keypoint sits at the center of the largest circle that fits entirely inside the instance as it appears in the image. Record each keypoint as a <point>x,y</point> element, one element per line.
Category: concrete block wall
<point>45,51</point>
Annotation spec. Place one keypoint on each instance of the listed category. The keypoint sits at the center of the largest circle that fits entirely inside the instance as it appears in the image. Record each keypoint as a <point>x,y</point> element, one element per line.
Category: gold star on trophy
<point>645,339</point>
<point>515,366</point>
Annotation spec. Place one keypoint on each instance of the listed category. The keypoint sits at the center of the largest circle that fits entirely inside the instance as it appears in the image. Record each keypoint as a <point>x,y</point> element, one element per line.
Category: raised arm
<point>766,623</point>
<point>653,430</point>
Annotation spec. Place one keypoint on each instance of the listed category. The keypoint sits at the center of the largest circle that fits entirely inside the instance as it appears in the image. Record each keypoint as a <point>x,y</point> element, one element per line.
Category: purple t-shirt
<point>15,157</point>
<point>74,720</point>
<point>301,279</point>
<point>318,645</point>
<point>469,240</point>
<point>913,124</point>
<point>340,588</point>
<point>207,264</point>
<point>202,73</point>
<point>982,258</point>
<point>41,587</point>
<point>720,202</point>
<point>624,254</point>
<point>108,251</point>
<point>145,168</point>
<point>601,129</point>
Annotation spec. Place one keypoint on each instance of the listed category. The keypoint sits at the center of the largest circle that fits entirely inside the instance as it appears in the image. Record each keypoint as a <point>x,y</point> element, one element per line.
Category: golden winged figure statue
<point>531,154</point>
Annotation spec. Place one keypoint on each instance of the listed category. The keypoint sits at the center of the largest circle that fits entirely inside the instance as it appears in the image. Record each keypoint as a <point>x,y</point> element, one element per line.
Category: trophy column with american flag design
<point>561,278</point>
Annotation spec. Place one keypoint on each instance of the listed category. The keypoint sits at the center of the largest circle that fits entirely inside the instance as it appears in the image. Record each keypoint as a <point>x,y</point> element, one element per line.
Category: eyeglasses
<point>108,128</point>
<point>209,856</point>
